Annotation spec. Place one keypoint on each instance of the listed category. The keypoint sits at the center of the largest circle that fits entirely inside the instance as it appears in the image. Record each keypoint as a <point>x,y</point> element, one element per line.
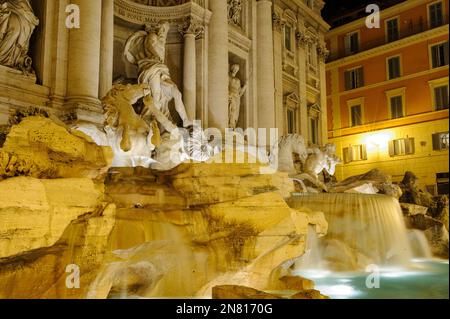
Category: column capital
<point>277,22</point>
<point>303,39</point>
<point>322,51</point>
<point>191,26</point>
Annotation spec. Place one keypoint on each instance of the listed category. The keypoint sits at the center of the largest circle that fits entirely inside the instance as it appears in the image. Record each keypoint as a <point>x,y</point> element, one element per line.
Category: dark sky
<point>334,8</point>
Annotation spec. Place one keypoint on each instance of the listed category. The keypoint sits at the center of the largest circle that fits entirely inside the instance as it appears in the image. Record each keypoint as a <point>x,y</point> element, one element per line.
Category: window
<point>402,146</point>
<point>314,130</point>
<point>440,141</point>
<point>392,30</point>
<point>312,56</point>
<point>435,15</point>
<point>288,37</point>
<point>439,55</point>
<point>291,120</point>
<point>441,97</point>
<point>352,43</point>
<point>356,115</point>
<point>393,67</point>
<point>355,153</point>
<point>442,183</point>
<point>354,78</point>
<point>396,103</point>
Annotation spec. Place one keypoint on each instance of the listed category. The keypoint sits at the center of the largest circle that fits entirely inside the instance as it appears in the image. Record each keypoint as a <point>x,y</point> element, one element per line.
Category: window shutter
<point>363,152</point>
<point>409,146</point>
<point>391,149</point>
<point>446,53</point>
<point>436,142</point>
<point>346,155</point>
<point>360,77</point>
<point>435,56</point>
<point>347,81</point>
<point>347,44</point>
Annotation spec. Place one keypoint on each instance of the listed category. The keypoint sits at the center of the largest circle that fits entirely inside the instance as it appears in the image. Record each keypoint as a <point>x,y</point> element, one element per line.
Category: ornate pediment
<point>314,110</point>
<point>292,100</point>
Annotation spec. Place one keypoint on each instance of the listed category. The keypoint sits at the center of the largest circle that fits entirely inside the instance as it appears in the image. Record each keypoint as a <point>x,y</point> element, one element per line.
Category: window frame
<point>393,93</point>
<point>352,70</point>
<point>439,148</point>
<point>349,158</point>
<point>435,84</point>
<point>442,13</point>
<point>396,18</point>
<point>399,56</point>
<point>347,36</point>
<point>354,102</point>
<point>430,54</point>
<point>392,146</point>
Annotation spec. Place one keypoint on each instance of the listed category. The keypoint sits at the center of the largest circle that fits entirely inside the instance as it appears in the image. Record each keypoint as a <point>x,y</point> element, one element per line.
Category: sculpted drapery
<point>17,23</point>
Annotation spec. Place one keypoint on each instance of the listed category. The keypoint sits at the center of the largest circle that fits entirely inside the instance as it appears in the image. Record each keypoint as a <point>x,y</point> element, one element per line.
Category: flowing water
<point>368,253</point>
<point>362,229</point>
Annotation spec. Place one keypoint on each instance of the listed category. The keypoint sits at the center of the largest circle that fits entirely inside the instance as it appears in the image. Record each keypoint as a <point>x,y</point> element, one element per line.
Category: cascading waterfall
<point>363,229</point>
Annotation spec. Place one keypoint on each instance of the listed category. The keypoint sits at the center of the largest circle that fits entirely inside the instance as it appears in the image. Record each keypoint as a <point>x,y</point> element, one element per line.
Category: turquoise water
<point>424,279</point>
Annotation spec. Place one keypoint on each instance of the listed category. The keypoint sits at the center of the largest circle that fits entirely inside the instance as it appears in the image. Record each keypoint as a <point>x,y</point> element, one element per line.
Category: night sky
<point>335,8</point>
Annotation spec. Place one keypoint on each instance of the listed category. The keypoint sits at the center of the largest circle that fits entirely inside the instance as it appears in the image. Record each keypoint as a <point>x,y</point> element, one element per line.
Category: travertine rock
<point>43,273</point>
<point>38,147</point>
<point>34,213</point>
<point>309,294</point>
<point>240,292</point>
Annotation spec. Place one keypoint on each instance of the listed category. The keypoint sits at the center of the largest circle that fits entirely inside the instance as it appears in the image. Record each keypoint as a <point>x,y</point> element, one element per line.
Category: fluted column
<point>190,29</point>
<point>84,56</point>
<point>265,81</point>
<point>218,65</point>
<point>107,47</point>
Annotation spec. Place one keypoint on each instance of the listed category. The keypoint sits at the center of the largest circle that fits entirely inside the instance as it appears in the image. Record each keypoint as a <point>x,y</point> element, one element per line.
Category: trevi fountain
<point>141,199</point>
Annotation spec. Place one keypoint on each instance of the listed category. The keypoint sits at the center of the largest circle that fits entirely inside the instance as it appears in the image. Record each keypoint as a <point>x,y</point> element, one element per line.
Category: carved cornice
<point>322,51</point>
<point>277,22</point>
<point>303,39</point>
<point>191,25</point>
<point>140,14</point>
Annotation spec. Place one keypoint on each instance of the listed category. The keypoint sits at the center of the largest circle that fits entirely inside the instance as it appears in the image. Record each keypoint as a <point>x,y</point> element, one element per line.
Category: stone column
<point>107,47</point>
<point>218,65</point>
<point>302,51</point>
<point>190,30</point>
<point>265,81</point>
<point>323,55</point>
<point>84,58</point>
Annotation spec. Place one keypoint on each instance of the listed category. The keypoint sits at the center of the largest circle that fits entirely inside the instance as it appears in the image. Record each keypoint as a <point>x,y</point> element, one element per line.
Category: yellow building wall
<point>425,163</point>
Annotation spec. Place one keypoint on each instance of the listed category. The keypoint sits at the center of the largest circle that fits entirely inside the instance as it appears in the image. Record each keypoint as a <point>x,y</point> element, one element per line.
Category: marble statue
<point>17,23</point>
<point>319,159</point>
<point>235,94</point>
<point>235,12</point>
<point>146,49</point>
<point>147,138</point>
<point>311,161</point>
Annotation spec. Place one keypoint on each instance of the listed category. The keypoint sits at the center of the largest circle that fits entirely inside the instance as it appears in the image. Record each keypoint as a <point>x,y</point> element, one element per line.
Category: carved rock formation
<point>38,147</point>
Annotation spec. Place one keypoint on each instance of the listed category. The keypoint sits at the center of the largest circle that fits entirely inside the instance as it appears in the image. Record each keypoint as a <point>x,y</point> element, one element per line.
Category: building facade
<point>388,93</point>
<point>278,45</point>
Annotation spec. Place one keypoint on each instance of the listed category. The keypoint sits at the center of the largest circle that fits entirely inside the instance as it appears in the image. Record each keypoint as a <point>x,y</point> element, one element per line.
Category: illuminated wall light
<point>378,141</point>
